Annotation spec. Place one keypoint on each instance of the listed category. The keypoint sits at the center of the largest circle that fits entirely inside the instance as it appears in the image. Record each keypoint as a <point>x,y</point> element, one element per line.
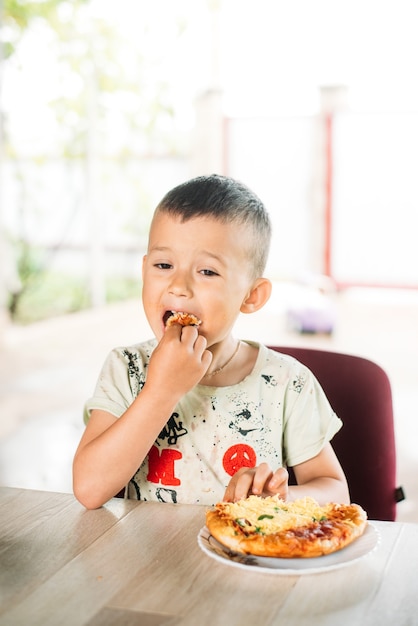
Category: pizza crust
<point>293,534</point>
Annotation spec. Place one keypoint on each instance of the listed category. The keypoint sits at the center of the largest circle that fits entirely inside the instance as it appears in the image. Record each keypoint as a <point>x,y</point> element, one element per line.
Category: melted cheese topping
<point>271,515</point>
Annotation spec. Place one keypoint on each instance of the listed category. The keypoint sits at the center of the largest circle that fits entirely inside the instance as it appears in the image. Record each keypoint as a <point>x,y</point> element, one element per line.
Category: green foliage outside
<point>52,293</point>
<point>46,293</point>
<point>92,60</point>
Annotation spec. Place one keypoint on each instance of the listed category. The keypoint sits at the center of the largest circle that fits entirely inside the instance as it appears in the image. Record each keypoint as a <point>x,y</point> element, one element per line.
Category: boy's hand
<point>258,481</point>
<point>179,361</point>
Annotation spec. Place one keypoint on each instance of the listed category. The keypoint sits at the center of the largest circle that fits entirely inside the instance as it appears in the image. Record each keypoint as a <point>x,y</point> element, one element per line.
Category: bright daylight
<point>208,312</point>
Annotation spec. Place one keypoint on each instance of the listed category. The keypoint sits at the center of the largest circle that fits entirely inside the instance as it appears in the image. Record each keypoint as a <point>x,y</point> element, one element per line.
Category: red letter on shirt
<point>161,468</point>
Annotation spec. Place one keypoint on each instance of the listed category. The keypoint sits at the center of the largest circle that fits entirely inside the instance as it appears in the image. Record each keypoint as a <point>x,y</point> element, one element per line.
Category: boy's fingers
<point>280,476</point>
<point>261,478</point>
<point>248,480</point>
<point>239,485</point>
<point>242,486</point>
<point>188,333</point>
<point>258,480</point>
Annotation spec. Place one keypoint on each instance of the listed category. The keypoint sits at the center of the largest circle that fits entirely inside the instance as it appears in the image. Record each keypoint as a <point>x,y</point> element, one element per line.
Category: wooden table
<point>139,563</point>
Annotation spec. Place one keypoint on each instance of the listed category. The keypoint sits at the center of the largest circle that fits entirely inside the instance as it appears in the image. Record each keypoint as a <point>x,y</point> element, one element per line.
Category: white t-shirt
<point>278,414</point>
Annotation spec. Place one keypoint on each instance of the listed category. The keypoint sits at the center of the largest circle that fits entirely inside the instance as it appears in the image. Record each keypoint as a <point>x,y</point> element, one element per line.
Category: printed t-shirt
<point>278,414</point>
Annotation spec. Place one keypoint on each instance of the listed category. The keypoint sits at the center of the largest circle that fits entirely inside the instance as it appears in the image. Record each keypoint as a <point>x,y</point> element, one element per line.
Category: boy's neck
<point>239,365</point>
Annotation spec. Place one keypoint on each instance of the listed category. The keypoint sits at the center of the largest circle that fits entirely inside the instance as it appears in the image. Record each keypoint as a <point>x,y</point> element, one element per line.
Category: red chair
<point>359,391</point>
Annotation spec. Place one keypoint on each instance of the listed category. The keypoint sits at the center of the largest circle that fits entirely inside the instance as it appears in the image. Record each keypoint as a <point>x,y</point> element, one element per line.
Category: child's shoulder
<point>139,351</point>
<point>270,356</point>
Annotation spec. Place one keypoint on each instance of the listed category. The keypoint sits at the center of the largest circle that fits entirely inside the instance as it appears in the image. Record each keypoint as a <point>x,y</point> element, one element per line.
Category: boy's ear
<point>144,258</point>
<point>257,297</point>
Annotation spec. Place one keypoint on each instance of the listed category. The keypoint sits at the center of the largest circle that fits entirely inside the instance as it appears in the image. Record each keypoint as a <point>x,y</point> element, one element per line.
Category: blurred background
<point>105,106</point>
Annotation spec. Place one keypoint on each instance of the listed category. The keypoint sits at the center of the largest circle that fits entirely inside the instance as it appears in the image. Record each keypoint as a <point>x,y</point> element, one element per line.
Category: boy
<point>196,415</point>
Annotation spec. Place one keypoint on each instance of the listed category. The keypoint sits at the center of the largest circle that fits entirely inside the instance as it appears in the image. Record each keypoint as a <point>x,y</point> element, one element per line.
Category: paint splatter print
<point>269,380</point>
<point>135,374</point>
<point>215,431</point>
<point>298,384</point>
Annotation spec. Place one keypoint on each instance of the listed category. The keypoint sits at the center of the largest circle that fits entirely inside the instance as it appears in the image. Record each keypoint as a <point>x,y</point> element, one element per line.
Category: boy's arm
<point>111,449</point>
<point>321,478</point>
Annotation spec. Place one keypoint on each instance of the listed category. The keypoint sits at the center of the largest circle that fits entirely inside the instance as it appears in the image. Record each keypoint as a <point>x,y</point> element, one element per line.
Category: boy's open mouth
<point>180,317</point>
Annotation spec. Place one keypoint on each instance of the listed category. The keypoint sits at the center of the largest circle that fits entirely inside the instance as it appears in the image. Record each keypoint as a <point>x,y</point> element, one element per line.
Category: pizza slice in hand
<point>182,318</point>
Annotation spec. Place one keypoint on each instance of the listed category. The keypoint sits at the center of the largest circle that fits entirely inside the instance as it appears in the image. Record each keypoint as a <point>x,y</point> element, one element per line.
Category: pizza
<point>184,319</point>
<point>275,528</point>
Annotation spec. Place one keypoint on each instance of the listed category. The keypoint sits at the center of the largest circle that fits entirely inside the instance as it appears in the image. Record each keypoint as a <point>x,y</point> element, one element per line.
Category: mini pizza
<point>271,527</point>
<point>184,319</point>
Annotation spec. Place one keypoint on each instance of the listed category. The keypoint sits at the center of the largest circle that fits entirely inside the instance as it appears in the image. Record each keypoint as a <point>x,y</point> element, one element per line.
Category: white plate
<point>358,549</point>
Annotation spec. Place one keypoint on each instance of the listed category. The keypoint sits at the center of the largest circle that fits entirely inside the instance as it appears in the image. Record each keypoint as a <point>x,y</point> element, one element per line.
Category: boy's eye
<point>163,266</point>
<point>209,273</point>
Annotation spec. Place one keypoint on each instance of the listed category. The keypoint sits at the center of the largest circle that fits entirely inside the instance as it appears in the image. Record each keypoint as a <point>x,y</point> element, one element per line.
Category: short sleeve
<point>120,380</point>
<point>309,420</point>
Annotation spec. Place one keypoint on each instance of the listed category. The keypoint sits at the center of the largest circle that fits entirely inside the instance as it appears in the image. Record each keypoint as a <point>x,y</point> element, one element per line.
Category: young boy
<point>196,415</point>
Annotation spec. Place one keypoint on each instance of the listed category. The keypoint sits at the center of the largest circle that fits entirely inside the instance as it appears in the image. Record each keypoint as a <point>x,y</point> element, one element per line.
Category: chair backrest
<point>359,391</point>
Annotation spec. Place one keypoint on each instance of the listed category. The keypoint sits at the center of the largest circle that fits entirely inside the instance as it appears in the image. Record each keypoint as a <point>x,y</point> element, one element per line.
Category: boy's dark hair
<point>227,200</point>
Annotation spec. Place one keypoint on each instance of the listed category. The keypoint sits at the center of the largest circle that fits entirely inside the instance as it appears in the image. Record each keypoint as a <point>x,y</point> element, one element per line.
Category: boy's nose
<point>180,285</point>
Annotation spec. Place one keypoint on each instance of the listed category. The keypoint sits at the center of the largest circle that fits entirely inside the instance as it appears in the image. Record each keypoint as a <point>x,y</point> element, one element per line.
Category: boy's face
<point>200,266</point>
